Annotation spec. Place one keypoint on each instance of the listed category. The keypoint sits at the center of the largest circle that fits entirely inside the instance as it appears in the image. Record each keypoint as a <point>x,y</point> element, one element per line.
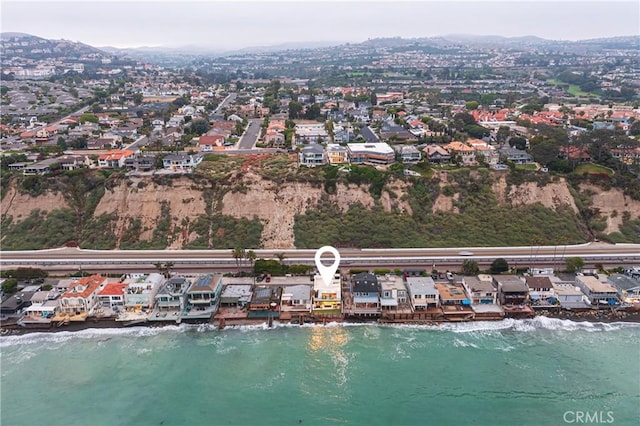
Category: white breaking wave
<point>525,325</point>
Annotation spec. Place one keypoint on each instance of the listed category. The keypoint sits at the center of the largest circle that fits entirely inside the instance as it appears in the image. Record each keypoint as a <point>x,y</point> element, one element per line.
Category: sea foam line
<point>509,324</point>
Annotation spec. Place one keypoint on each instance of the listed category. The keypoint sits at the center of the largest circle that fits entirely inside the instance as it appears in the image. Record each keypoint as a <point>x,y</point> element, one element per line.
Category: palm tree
<point>251,257</point>
<point>237,253</point>
<point>281,256</point>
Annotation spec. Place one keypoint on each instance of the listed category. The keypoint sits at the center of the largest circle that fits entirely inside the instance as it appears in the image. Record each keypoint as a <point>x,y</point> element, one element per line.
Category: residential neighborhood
<point>412,296</point>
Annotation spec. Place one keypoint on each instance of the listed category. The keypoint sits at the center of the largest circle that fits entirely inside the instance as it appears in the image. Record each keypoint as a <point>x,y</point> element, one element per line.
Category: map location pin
<point>327,272</point>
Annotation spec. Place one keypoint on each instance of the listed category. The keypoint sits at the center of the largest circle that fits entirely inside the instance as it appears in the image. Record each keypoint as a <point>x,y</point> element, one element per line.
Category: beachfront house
<point>511,290</point>
<point>540,288</point>
<point>365,291</point>
<point>569,296</point>
<point>44,306</point>
<point>141,291</point>
<point>423,294</point>
<point>327,296</point>
<point>112,296</point>
<point>480,289</point>
<point>597,292</point>
<point>203,296</point>
<point>393,292</point>
<point>171,298</point>
<point>454,301</point>
<point>265,302</point>
<point>296,298</point>
<point>81,298</point>
<point>628,287</point>
<point>236,295</point>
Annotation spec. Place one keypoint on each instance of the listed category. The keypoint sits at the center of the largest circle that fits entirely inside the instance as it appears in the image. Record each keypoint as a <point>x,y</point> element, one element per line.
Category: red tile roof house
<point>112,295</point>
<point>575,153</point>
<point>82,295</point>
<point>208,143</point>
<point>115,158</point>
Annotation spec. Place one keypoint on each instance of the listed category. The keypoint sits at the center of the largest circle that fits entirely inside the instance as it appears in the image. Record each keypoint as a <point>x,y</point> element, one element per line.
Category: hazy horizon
<point>225,25</point>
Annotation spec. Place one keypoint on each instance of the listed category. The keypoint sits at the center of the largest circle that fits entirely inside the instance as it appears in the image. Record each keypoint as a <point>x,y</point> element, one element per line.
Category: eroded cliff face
<point>142,199</point>
<point>18,206</point>
<point>276,204</point>
<point>613,205</point>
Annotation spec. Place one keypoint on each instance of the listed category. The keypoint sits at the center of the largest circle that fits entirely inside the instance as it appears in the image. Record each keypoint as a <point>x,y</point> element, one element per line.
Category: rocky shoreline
<point>592,316</point>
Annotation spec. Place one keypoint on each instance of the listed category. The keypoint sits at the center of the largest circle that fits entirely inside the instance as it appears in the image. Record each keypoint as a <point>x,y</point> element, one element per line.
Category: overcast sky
<point>237,24</point>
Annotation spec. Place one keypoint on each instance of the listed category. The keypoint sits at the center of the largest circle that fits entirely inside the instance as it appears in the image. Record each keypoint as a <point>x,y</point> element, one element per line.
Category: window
<point>387,294</point>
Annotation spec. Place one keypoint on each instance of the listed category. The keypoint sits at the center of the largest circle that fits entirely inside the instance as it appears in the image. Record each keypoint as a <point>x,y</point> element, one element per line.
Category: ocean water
<point>530,372</point>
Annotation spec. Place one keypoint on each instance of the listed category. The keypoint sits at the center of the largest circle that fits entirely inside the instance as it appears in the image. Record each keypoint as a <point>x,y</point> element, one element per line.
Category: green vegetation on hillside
<point>481,220</point>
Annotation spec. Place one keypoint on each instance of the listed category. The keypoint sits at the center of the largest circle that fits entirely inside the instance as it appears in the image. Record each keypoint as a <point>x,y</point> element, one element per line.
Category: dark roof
<point>365,282</point>
<point>368,134</point>
<point>543,283</point>
<point>623,282</point>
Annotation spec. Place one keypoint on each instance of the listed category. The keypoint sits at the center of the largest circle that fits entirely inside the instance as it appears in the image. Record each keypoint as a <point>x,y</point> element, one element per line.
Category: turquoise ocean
<point>526,372</point>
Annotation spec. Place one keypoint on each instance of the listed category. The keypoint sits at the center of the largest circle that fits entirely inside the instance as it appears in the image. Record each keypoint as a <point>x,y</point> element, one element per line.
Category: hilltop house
<point>312,155</point>
<point>181,161</point>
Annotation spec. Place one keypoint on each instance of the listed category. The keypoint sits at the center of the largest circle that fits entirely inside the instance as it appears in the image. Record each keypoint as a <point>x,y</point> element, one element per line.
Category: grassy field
<point>575,90</point>
<point>591,168</point>
<point>526,167</point>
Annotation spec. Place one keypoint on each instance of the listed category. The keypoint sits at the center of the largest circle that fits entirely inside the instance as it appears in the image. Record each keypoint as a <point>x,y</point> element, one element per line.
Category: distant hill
<point>32,47</point>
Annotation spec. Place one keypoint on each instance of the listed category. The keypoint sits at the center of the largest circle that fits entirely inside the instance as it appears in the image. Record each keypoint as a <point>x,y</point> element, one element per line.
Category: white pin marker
<point>327,272</point>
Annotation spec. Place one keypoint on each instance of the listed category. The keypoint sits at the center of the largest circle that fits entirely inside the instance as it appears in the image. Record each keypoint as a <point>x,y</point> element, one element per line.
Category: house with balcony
<point>115,158</point>
<point>296,298</point>
<point>327,296</point>
<point>540,288</point>
<point>408,153</point>
<point>483,296</point>
<point>112,296</point>
<point>423,294</point>
<point>511,290</point>
<point>393,293</point>
<point>337,154</point>
<point>171,300</point>
<point>209,143</point>
<point>627,286</point>
<point>274,138</point>
<point>599,293</point>
<point>514,155</point>
<point>461,151</point>
<point>454,301</point>
<point>139,295</point>
<point>203,297</point>
<point>311,132</point>
<point>236,295</point>
<point>569,296</point>
<point>44,306</point>
<point>436,154</point>
<point>81,298</point>
<point>312,155</point>
<point>265,302</point>
<point>371,153</point>
<point>181,161</point>
<point>365,294</point>
<point>480,289</point>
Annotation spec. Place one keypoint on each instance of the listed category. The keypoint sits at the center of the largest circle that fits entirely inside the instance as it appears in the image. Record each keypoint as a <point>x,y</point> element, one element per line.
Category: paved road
<point>226,101</point>
<point>250,137</point>
<point>591,253</point>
